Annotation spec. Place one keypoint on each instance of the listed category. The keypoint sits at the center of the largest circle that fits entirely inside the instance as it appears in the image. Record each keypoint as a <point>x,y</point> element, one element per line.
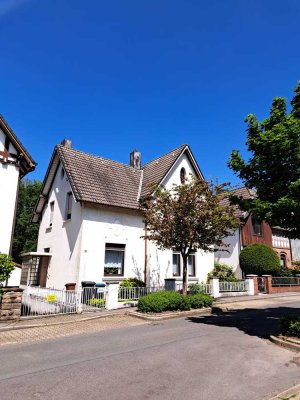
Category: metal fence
<point>202,287</point>
<point>134,293</point>
<point>38,301</point>
<point>285,281</point>
<point>232,286</point>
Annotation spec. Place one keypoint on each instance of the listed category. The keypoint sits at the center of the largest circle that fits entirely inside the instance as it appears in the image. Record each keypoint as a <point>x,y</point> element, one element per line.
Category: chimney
<point>135,159</point>
<point>67,143</point>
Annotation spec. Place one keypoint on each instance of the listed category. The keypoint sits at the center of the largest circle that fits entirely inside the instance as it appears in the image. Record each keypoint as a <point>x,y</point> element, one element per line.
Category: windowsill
<point>113,278</point>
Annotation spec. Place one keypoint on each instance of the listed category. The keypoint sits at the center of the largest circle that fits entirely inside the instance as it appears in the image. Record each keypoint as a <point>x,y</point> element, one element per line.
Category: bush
<point>172,301</point>
<point>132,282</point>
<point>97,302</point>
<point>223,272</point>
<point>199,300</point>
<point>195,288</point>
<point>259,259</point>
<point>290,326</point>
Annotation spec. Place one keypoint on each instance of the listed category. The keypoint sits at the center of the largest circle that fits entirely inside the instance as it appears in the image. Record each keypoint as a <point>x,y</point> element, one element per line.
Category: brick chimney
<point>135,159</point>
<point>67,143</point>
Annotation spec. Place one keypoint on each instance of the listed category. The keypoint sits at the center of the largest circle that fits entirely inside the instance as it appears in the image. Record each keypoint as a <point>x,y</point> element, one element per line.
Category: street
<point>223,356</point>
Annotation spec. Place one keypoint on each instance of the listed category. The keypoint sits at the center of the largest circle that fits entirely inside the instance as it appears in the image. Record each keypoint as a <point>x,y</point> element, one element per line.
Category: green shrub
<point>132,282</point>
<point>172,301</point>
<point>223,272</point>
<point>259,259</point>
<point>195,288</point>
<point>290,326</point>
<point>97,302</point>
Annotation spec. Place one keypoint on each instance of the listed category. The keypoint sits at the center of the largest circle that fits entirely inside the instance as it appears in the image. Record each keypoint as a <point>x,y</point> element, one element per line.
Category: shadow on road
<point>254,322</point>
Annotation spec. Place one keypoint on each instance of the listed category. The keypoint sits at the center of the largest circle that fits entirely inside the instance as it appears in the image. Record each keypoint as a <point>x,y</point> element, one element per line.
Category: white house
<point>15,163</point>
<point>91,227</point>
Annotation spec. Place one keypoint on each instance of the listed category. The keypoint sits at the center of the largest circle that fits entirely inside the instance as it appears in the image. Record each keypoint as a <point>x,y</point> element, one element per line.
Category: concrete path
<point>223,357</point>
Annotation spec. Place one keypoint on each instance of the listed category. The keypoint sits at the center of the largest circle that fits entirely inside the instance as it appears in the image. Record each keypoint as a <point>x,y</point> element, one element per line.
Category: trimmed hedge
<point>132,282</point>
<point>290,326</point>
<point>172,301</point>
<point>259,259</point>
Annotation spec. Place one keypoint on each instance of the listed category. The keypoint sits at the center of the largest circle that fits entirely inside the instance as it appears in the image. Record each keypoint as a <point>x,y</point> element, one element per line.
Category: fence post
<point>268,283</point>
<point>112,295</point>
<point>251,282</point>
<point>215,289</point>
<point>78,296</point>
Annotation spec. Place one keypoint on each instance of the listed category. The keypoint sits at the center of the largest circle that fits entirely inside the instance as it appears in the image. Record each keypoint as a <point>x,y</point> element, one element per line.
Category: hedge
<point>172,301</point>
<point>259,259</point>
<point>290,326</point>
<point>132,282</point>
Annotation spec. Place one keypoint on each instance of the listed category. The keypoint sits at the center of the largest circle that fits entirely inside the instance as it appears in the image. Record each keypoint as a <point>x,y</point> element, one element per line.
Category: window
<point>114,259</point>
<point>182,175</point>
<point>283,260</point>
<point>191,265</point>
<point>256,227</point>
<point>62,173</point>
<point>176,264</point>
<point>69,205</point>
<point>51,213</point>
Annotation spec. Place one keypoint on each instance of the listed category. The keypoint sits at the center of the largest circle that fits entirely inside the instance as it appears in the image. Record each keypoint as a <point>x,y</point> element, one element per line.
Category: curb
<point>288,394</point>
<point>285,343</point>
<point>177,314</point>
<point>15,328</point>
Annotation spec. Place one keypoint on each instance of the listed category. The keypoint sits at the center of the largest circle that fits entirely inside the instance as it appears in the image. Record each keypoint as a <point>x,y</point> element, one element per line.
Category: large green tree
<point>189,217</point>
<point>26,233</point>
<point>273,168</point>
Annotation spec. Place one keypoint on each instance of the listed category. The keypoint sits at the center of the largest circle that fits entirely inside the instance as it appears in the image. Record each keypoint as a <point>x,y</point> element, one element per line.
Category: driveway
<point>222,357</point>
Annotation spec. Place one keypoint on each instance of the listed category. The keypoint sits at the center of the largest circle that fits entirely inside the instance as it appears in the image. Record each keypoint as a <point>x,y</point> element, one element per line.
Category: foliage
<point>223,272</point>
<point>259,259</point>
<point>97,302</point>
<point>195,288</point>
<point>274,166</point>
<point>199,300</point>
<point>132,282</point>
<point>290,326</point>
<point>172,301</point>
<point>6,267</point>
<point>26,233</point>
<point>288,272</point>
<point>189,217</point>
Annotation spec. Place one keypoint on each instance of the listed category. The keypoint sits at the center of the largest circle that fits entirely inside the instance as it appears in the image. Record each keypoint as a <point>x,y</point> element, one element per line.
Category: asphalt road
<point>224,357</point>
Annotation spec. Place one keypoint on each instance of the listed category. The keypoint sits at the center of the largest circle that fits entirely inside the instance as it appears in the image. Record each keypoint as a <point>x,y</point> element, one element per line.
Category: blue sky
<point>117,75</point>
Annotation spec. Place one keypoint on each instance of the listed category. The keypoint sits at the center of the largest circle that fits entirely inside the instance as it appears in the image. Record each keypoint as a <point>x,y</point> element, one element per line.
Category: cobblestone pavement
<point>44,332</point>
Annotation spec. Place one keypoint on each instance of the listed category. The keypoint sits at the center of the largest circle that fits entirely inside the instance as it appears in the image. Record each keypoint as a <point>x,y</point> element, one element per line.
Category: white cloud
<point>6,6</point>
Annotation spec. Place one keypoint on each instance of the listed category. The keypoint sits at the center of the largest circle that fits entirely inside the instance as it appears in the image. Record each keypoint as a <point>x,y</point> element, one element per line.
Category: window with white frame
<point>191,265</point>
<point>69,205</point>
<point>51,212</point>
<point>176,264</point>
<point>114,259</point>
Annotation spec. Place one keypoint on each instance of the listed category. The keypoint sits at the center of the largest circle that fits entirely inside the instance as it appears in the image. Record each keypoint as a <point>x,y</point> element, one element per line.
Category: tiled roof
<point>243,192</point>
<point>155,170</point>
<point>98,180</point>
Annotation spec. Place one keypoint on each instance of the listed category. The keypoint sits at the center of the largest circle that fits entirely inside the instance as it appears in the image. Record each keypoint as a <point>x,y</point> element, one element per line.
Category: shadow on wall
<point>254,322</point>
<point>139,273</point>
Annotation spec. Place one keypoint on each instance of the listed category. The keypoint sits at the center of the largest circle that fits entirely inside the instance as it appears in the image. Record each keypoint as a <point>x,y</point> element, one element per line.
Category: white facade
<point>230,255</point>
<point>78,245</point>
<point>9,178</point>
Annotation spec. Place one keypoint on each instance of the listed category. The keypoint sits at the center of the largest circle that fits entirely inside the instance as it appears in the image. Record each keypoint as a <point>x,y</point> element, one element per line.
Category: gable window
<point>51,212</point>
<point>176,264</point>
<point>69,205</point>
<point>182,175</point>
<point>114,259</point>
<point>256,227</point>
<point>191,265</point>
<point>62,173</point>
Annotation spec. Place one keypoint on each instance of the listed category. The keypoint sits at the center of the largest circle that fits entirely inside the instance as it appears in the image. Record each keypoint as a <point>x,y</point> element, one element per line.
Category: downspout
<point>146,255</point>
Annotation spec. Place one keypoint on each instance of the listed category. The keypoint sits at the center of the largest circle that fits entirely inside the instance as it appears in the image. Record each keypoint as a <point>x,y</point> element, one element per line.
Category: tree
<point>6,267</point>
<point>189,217</point>
<point>274,166</point>
<point>26,233</point>
<point>259,259</point>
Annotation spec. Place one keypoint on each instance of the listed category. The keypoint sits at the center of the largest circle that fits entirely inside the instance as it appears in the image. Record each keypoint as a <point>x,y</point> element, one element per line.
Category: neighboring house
<point>254,231</point>
<point>91,227</point>
<point>15,163</point>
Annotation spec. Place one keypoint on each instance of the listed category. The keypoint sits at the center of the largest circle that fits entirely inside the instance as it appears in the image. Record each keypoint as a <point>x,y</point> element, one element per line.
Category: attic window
<point>69,205</point>
<point>182,175</point>
<point>62,173</point>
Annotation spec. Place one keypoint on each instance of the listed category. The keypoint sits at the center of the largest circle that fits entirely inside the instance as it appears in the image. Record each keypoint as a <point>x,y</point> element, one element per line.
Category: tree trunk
<point>184,275</point>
